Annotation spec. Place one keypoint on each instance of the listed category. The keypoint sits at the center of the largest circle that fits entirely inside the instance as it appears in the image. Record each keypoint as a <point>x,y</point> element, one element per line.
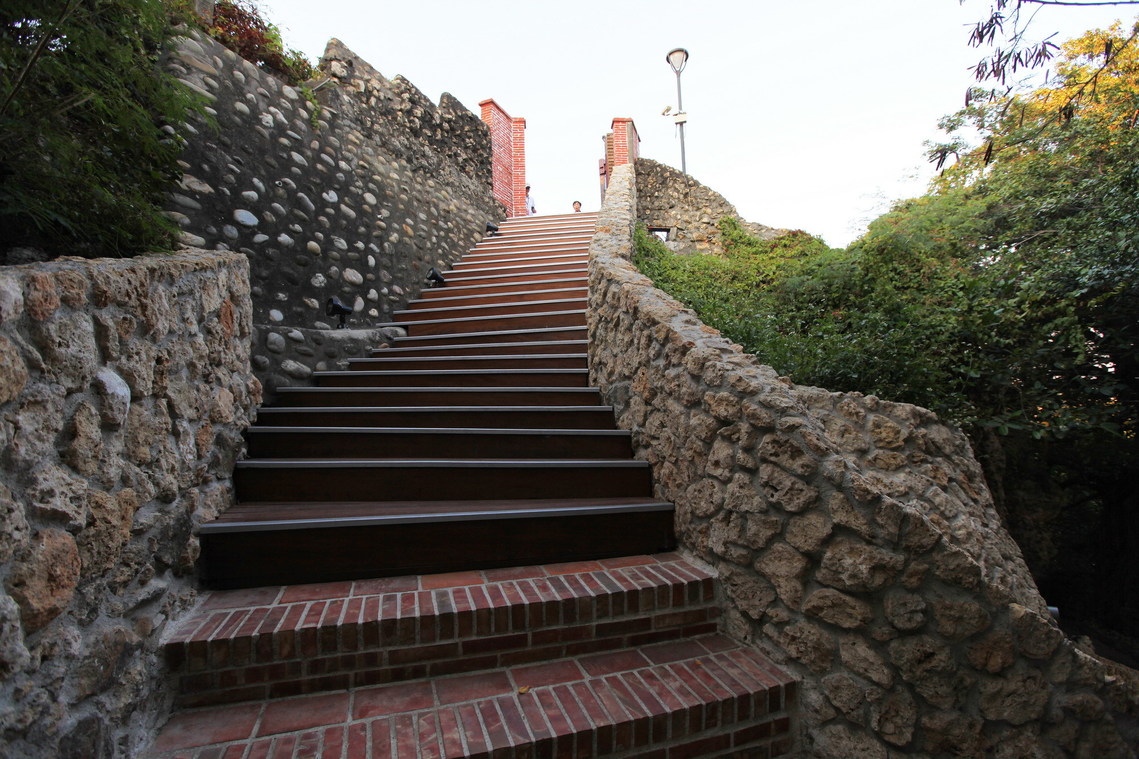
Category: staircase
<point>474,442</point>
<point>447,550</point>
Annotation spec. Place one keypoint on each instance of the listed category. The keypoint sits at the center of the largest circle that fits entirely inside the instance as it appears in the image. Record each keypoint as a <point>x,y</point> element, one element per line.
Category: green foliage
<point>240,26</point>
<point>87,148</point>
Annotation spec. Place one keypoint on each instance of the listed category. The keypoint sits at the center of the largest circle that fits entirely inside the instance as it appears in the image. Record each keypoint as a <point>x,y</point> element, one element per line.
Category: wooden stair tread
<point>331,513</point>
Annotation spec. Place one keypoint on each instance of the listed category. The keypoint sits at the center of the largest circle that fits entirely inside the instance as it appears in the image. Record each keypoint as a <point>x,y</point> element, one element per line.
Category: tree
<point>87,142</point>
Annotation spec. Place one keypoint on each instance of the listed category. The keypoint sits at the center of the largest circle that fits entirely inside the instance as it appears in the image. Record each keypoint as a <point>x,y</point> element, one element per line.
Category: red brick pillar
<point>508,157</point>
<point>622,145</point>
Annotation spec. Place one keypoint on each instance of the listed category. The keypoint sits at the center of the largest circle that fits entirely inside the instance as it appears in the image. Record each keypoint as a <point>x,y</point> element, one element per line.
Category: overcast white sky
<point>805,114</point>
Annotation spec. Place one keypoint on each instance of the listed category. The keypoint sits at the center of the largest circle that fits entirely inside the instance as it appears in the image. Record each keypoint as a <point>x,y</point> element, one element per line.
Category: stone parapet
<point>856,540</point>
<point>124,389</point>
<point>353,187</point>
<point>669,199</point>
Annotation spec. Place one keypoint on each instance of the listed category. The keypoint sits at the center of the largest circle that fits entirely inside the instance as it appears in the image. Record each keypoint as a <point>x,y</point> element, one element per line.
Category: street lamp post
<point>677,58</point>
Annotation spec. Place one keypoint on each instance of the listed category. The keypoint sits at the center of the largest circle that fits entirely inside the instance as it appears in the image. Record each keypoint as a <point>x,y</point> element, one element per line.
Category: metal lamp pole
<point>677,59</point>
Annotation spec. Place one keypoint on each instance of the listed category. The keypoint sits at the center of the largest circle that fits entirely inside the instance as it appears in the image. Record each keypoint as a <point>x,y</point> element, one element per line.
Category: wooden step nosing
<point>380,352</point>
<point>436,292</point>
<point>409,373</point>
<point>457,463</point>
<point>213,528</point>
<point>581,272</point>
<point>449,388</point>
<point>487,357</point>
<point>600,410</point>
<point>468,319</point>
<point>490,333</point>
<point>517,304</point>
<point>441,431</point>
<point>438,299</point>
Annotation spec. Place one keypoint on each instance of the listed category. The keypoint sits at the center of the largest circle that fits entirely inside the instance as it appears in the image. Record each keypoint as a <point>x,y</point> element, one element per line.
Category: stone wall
<point>124,388</point>
<point>668,199</point>
<point>855,539</point>
<point>353,188</point>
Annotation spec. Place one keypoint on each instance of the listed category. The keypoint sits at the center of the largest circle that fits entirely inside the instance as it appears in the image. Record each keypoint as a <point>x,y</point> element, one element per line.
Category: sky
<point>804,114</point>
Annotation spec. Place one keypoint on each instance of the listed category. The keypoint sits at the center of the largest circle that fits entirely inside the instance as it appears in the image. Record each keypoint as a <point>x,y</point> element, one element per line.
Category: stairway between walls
<point>447,549</point>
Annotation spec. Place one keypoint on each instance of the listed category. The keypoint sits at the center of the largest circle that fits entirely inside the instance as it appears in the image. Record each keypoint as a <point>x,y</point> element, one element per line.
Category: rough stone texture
<point>669,199</point>
<point>110,452</point>
<point>354,196</point>
<point>856,539</point>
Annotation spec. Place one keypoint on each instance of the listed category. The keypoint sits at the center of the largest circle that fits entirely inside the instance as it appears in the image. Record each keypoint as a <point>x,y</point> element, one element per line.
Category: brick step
<point>542,334</point>
<point>437,396</point>
<point>506,323</point>
<point>386,362</point>
<point>701,697</point>
<point>288,542</point>
<point>283,641</point>
<point>576,279</point>
<point>531,348</point>
<point>411,479</point>
<point>511,417</point>
<point>476,310</point>
<point>455,378</point>
<point>436,442</point>
<point>443,300</point>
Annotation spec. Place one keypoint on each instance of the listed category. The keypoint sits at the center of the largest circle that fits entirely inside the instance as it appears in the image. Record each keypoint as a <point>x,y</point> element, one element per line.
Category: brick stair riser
<point>319,645</point>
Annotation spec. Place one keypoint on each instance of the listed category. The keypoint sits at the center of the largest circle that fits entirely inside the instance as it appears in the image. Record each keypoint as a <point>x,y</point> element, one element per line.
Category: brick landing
<point>599,658</point>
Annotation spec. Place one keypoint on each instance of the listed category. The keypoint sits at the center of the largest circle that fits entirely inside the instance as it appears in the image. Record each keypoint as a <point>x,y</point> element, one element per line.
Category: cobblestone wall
<point>668,199</point>
<point>353,190</point>
<point>124,388</point>
<point>855,539</point>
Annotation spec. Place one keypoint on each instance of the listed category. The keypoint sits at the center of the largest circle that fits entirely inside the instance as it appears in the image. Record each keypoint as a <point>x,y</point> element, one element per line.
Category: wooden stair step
<point>511,255</point>
<point>283,542</point>
<point>580,273</point>
<point>404,442</point>
<point>241,644</point>
<point>522,268</point>
<point>391,479</point>
<point>450,311</point>
<point>388,362</point>
<point>548,293</point>
<point>513,417</point>
<point>455,378</point>
<point>573,280</point>
<point>509,322</point>
<point>706,696</point>
<point>437,396</point>
<point>571,332</point>
<point>564,347</point>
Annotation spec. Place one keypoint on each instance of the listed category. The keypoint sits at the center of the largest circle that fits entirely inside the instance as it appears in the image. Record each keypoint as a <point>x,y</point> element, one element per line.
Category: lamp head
<point>333,307</point>
<point>677,58</point>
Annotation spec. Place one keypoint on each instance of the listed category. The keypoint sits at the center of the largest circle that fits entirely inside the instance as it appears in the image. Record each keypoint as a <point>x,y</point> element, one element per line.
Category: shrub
<point>87,142</point>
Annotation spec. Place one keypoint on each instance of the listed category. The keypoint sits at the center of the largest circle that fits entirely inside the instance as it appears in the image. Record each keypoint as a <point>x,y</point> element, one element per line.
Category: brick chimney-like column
<point>622,145</point>
<point>508,157</point>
